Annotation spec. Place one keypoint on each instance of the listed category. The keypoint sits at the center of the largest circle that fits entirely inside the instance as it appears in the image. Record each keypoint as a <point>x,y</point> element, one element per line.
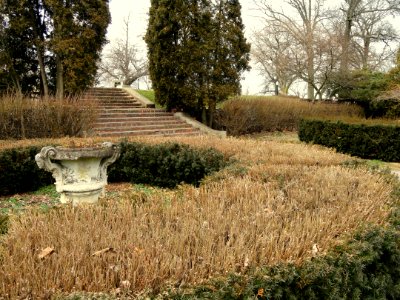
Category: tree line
<point>51,47</point>
<point>197,51</point>
<point>323,46</point>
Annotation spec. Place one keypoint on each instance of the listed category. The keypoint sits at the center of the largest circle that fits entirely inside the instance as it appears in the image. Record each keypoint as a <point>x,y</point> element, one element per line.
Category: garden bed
<point>277,204</point>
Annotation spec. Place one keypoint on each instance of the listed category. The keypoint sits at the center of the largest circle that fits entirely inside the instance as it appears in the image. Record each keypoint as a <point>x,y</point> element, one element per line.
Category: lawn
<point>149,94</point>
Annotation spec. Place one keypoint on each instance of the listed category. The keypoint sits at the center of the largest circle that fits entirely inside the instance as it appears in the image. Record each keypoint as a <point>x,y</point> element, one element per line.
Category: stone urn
<point>80,173</point>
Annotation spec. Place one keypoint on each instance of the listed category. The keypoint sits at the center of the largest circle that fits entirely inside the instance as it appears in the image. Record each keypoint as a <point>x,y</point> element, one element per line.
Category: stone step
<point>117,99</point>
<point>137,119</point>
<point>111,99</point>
<point>131,114</point>
<point>104,91</point>
<point>120,114</point>
<point>135,109</point>
<point>114,106</point>
<point>162,132</point>
<point>139,122</point>
<point>109,128</point>
<point>106,95</point>
<point>110,95</point>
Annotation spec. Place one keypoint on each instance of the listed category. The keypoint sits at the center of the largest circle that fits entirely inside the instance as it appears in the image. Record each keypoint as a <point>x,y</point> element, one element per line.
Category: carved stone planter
<point>80,173</point>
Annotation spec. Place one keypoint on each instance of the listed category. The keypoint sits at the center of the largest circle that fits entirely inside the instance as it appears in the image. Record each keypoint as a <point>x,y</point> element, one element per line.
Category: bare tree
<point>123,61</point>
<point>302,20</point>
<point>272,50</point>
<point>365,24</point>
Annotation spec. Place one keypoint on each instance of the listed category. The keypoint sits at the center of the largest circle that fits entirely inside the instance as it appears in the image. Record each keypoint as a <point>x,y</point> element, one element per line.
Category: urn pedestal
<point>80,173</point>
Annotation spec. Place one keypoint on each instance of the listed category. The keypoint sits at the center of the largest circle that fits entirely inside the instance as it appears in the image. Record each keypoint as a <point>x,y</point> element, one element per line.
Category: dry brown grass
<point>22,117</point>
<point>291,197</point>
<point>250,114</point>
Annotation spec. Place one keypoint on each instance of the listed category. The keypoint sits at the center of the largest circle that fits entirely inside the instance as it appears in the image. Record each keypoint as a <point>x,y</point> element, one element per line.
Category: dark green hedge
<point>165,165</point>
<point>19,172</point>
<point>366,141</point>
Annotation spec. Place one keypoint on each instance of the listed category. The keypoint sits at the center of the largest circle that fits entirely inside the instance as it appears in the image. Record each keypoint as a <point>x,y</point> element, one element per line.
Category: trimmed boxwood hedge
<point>366,141</point>
<point>165,165</point>
<point>19,172</point>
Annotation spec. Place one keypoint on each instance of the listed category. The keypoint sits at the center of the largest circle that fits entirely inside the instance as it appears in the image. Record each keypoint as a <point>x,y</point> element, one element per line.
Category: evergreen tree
<point>79,34</point>
<point>58,43</point>
<point>394,73</point>
<point>19,58</point>
<point>162,41</point>
<point>4,59</point>
<point>197,52</point>
<point>230,53</point>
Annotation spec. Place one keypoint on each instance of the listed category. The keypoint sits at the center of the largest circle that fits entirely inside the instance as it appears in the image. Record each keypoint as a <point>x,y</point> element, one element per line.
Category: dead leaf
<point>246,262</point>
<point>138,250</point>
<point>260,292</point>
<point>315,250</point>
<point>102,251</point>
<point>46,252</point>
<point>125,284</point>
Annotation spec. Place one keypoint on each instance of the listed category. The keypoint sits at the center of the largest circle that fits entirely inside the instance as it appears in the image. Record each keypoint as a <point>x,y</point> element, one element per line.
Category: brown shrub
<point>22,117</point>
<point>245,115</point>
<point>289,197</point>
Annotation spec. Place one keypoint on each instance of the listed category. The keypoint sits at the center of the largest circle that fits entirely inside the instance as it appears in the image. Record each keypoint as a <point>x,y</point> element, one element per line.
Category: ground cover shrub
<point>362,87</point>
<point>387,104</point>
<point>22,117</point>
<point>218,240</point>
<point>164,165</point>
<point>371,141</point>
<point>245,115</point>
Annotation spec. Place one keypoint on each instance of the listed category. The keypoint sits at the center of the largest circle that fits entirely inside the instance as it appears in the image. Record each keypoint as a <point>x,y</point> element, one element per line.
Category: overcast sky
<point>138,13</point>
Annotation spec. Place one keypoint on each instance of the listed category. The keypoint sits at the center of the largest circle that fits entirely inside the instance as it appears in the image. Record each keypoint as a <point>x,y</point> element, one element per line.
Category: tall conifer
<point>53,45</point>
<point>197,52</point>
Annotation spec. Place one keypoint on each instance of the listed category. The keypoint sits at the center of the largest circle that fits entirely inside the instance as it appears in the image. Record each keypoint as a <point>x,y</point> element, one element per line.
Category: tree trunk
<point>344,63</point>
<point>367,42</point>
<point>310,74</point>
<point>204,116</point>
<point>40,53</point>
<point>350,15</point>
<point>212,106</point>
<point>17,83</point>
<point>59,78</point>
<point>23,131</point>
<point>43,72</point>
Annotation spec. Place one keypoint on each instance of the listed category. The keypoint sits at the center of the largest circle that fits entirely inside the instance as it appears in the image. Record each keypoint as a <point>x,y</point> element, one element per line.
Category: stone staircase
<point>121,114</point>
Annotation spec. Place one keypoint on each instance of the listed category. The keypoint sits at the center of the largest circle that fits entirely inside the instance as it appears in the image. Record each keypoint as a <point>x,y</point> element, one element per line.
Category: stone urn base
<point>79,197</point>
<point>80,173</point>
